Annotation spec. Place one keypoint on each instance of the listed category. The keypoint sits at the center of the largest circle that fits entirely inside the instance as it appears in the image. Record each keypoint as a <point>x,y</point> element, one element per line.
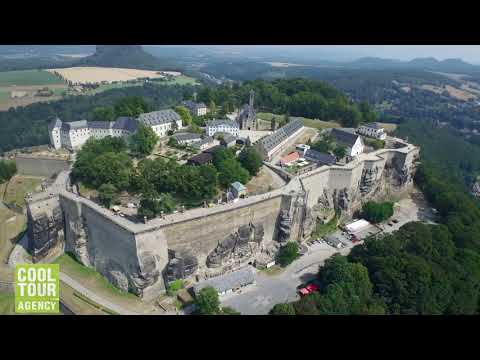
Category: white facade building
<point>196,109</point>
<point>222,126</point>
<point>352,142</point>
<point>373,130</point>
<point>72,135</point>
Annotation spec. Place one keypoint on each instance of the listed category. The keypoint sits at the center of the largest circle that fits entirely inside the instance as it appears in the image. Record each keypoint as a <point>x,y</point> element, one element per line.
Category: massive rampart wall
<point>201,236</point>
<point>131,261</point>
<point>40,166</point>
<point>134,255</point>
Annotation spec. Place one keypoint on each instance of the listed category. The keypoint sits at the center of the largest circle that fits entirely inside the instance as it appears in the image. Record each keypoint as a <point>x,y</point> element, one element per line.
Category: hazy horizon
<point>468,53</point>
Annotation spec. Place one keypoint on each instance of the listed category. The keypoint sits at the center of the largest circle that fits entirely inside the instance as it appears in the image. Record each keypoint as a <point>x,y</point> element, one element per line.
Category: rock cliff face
<point>45,227</point>
<point>241,244</point>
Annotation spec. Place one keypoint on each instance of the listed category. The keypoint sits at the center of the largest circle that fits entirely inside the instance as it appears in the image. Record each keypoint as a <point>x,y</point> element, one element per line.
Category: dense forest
<point>297,97</point>
<point>456,160</point>
<point>27,126</point>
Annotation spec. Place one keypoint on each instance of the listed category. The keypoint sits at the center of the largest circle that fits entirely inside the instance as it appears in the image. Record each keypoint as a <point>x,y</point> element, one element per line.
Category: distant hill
<point>428,63</point>
<point>126,56</point>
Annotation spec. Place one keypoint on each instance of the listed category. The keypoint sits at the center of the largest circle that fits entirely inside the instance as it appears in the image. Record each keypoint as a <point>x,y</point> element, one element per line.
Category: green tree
<point>7,170</point>
<point>111,168</point>
<point>131,106</point>
<point>251,160</point>
<point>340,152</point>
<point>143,140</point>
<point>207,302</point>
<point>184,114</point>
<point>377,212</point>
<point>152,204</point>
<point>212,108</point>
<point>107,194</point>
<point>229,311</point>
<point>103,113</point>
<point>288,253</point>
<point>283,309</point>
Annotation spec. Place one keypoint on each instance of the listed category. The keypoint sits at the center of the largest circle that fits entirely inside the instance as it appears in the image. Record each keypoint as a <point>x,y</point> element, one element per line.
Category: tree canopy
<point>377,212</point>
<point>143,140</point>
<point>7,170</point>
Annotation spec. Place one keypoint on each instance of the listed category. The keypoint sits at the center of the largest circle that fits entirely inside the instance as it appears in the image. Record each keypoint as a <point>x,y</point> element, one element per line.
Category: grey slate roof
<point>55,123</point>
<point>207,140</point>
<point>228,138</point>
<point>200,159</point>
<point>218,122</point>
<point>82,124</point>
<point>320,157</point>
<point>100,124</point>
<point>193,105</point>
<point>344,137</point>
<point>159,117</point>
<point>126,123</point>
<point>186,136</point>
<point>228,281</point>
<point>270,141</point>
<point>373,125</point>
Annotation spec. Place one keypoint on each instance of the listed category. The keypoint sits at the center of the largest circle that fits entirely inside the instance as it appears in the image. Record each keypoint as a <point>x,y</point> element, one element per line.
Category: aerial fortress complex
<point>204,242</point>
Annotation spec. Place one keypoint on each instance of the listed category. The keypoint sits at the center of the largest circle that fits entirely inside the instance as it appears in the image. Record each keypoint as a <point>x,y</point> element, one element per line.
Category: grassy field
<point>316,124</point>
<point>389,128</point>
<point>77,303</point>
<point>28,77</point>
<point>180,80</point>
<point>7,303</point>
<point>325,229</point>
<point>19,186</point>
<point>9,230</point>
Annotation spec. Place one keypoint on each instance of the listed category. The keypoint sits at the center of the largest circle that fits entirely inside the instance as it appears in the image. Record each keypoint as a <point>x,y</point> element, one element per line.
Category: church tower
<point>252,96</point>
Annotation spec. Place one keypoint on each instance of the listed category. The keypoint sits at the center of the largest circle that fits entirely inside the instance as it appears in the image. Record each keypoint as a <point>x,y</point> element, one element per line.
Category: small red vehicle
<point>354,239</point>
<point>310,288</point>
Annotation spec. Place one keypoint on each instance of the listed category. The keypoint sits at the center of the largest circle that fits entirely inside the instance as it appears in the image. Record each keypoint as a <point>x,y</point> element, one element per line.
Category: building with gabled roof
<point>221,126</point>
<point>270,145</point>
<point>351,141</point>
<point>373,130</point>
<point>196,109</point>
<point>72,135</point>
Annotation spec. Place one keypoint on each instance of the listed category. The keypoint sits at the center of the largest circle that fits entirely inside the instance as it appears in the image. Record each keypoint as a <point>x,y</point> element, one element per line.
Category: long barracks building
<point>72,135</point>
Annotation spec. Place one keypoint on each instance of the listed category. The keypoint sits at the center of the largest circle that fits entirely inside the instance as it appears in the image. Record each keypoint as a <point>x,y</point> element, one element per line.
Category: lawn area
<point>389,128</point>
<point>28,77</point>
<point>7,303</point>
<point>11,225</point>
<point>19,186</point>
<point>313,123</point>
<point>77,303</point>
<point>4,95</point>
<point>325,229</point>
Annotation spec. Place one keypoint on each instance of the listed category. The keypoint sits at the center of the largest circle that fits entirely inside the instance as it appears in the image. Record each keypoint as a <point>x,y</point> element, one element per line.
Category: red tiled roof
<point>290,157</point>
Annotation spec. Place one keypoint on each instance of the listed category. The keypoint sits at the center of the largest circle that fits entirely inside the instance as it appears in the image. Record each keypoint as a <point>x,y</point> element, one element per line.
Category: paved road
<point>94,297</point>
<point>269,290</point>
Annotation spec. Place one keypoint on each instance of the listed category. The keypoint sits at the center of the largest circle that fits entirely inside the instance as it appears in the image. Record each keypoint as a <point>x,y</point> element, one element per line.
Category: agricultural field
<point>94,75</point>
<point>28,82</point>
<point>28,78</point>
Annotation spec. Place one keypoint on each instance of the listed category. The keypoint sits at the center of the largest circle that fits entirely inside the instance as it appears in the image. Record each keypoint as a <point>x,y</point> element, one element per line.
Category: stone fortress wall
<point>134,256</point>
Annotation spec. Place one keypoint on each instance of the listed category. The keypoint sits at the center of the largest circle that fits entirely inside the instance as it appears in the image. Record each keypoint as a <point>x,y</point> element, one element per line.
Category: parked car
<point>395,221</point>
<point>310,288</point>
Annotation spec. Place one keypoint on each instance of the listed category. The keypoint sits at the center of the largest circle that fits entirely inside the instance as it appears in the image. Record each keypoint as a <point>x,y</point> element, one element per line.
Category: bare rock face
<point>368,180</point>
<point>284,227</point>
<point>116,275</point>
<point>80,241</point>
<point>240,245</point>
<point>146,274</point>
<point>45,227</point>
<point>180,265</point>
<point>343,200</point>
